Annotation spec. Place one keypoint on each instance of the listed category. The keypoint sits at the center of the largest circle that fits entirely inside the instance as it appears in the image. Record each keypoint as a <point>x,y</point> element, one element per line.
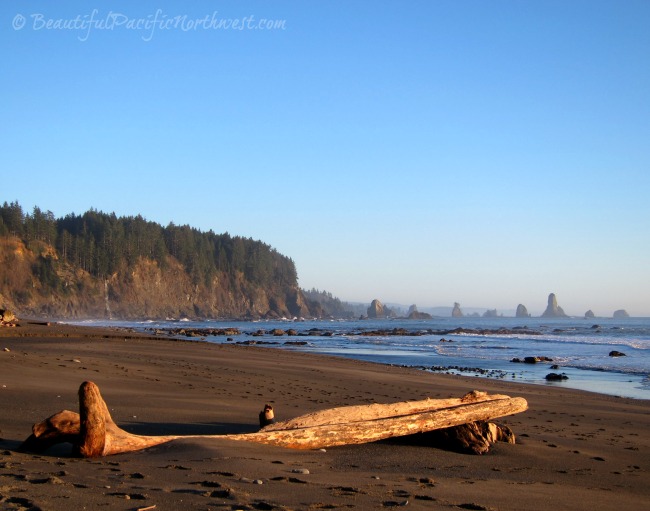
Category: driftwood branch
<point>93,432</point>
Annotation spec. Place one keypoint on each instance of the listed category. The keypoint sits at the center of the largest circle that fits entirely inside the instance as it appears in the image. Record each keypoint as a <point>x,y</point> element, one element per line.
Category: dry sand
<point>575,450</point>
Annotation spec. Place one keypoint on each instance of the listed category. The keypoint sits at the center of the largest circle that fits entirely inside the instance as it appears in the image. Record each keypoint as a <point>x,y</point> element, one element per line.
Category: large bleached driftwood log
<point>93,432</point>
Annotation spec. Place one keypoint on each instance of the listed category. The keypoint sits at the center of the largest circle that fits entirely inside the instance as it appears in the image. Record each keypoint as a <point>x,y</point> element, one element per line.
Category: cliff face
<point>33,281</point>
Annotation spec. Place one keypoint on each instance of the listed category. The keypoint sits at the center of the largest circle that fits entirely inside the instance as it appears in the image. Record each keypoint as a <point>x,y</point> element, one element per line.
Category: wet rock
<point>556,377</point>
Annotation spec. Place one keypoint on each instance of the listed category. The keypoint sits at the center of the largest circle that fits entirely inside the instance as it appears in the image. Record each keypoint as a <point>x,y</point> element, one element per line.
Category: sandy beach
<point>574,450</point>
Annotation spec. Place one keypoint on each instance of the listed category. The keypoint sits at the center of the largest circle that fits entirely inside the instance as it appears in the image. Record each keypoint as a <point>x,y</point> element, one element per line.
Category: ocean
<point>578,349</point>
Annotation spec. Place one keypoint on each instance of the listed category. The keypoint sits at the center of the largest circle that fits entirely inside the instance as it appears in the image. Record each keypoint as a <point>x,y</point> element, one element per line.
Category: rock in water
<point>456,312</point>
<point>556,377</point>
<point>589,314</point>
<point>376,310</point>
<point>621,313</point>
<point>522,311</point>
<point>414,313</point>
<point>553,310</point>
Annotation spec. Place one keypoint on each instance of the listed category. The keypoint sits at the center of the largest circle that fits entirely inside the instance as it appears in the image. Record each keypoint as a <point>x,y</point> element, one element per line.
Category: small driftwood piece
<point>93,432</point>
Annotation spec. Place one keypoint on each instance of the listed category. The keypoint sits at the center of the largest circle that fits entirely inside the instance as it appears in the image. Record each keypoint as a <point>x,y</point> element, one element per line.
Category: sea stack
<point>456,312</point>
<point>621,313</point>
<point>522,311</point>
<point>553,310</point>
<point>376,310</point>
<point>414,313</point>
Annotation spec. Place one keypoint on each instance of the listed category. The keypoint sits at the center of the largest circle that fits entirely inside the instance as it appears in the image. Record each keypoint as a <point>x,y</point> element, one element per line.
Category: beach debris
<point>93,433</point>
<point>472,438</point>
<point>616,354</point>
<point>266,416</point>
<point>7,318</point>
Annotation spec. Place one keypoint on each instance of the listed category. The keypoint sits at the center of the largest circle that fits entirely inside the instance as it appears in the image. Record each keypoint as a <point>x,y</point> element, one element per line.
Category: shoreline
<point>611,381</point>
<point>574,449</point>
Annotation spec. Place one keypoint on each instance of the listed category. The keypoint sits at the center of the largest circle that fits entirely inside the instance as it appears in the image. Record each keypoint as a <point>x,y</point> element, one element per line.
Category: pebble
<point>7,349</point>
<point>302,471</point>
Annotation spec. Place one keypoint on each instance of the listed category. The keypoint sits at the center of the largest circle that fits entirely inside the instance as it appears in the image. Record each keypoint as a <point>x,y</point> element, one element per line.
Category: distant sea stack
<point>621,313</point>
<point>414,313</point>
<point>522,311</point>
<point>589,314</point>
<point>376,310</point>
<point>553,310</point>
<point>456,312</point>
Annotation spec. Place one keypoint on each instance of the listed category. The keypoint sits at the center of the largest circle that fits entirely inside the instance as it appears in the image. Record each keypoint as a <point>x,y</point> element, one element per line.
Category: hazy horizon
<point>506,311</point>
<point>415,152</point>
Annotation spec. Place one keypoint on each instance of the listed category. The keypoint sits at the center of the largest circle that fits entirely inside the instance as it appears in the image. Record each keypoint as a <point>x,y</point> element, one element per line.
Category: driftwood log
<point>93,432</point>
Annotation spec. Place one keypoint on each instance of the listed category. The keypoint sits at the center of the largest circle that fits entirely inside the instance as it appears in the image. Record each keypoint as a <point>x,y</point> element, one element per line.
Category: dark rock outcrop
<point>553,310</point>
<point>620,314</point>
<point>556,377</point>
<point>616,354</point>
<point>532,360</point>
<point>376,310</point>
<point>456,312</point>
<point>414,313</point>
<point>522,311</point>
<point>419,315</point>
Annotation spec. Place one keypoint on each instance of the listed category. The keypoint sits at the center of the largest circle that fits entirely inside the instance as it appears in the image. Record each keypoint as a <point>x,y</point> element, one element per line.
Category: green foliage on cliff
<point>330,306</point>
<point>104,244</point>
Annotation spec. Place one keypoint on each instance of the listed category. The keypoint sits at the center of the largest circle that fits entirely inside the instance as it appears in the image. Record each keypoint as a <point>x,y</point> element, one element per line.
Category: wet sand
<point>575,450</point>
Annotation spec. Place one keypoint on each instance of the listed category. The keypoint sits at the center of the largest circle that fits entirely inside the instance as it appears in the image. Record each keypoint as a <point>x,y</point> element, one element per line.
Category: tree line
<point>102,244</point>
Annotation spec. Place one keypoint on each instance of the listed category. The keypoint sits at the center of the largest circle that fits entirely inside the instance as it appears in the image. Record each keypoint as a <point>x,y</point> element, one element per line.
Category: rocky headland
<point>37,282</point>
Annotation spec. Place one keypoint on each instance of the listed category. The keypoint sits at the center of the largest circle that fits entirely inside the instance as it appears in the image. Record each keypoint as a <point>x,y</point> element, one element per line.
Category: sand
<point>575,450</point>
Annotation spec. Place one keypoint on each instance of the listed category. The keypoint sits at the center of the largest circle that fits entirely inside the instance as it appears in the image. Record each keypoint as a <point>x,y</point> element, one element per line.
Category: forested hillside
<point>97,264</point>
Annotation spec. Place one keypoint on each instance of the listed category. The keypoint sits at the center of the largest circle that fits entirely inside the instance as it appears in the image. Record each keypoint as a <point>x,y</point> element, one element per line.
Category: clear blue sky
<point>484,152</point>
